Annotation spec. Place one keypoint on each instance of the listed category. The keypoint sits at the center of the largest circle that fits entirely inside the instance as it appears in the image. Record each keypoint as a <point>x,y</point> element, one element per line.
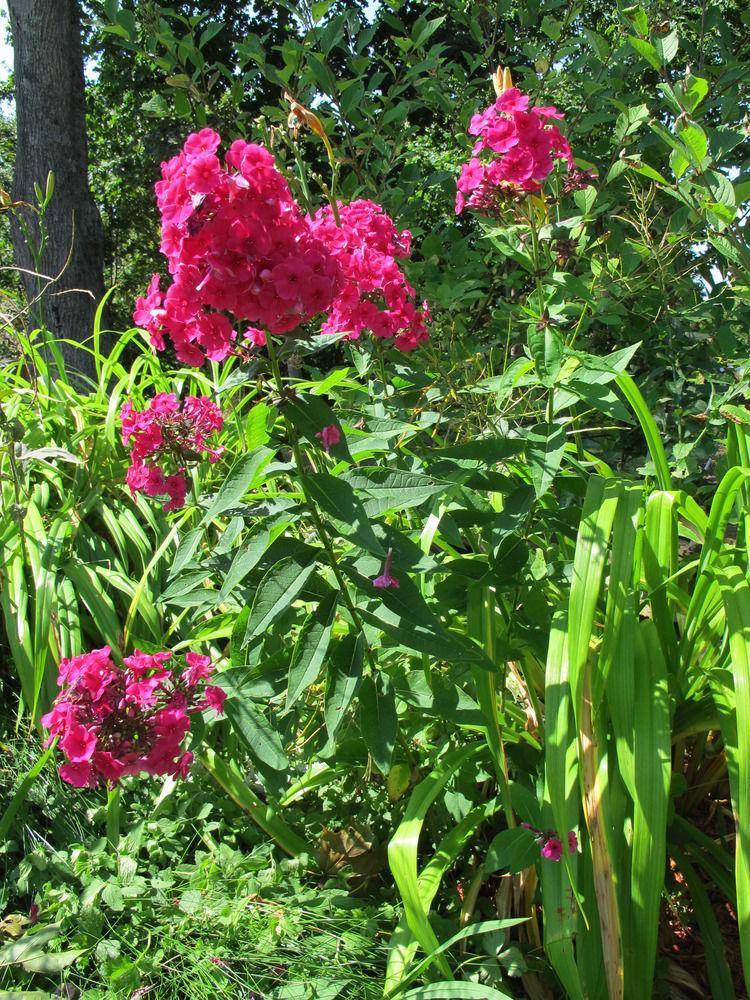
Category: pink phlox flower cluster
<point>168,432</point>
<point>550,845</point>
<point>329,436</point>
<point>374,293</point>
<point>237,243</point>
<point>113,721</point>
<point>515,151</point>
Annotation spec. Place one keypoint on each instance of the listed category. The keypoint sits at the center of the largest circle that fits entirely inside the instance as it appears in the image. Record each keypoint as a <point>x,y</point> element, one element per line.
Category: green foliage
<point>558,480</point>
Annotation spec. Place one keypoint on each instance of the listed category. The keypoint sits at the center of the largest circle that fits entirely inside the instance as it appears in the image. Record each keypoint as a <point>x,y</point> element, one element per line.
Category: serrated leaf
<point>113,897</point>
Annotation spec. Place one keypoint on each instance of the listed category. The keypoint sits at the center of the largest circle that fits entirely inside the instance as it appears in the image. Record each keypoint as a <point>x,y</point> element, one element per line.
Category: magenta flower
<point>550,844</point>
<point>329,436</point>
<point>172,432</point>
<point>385,580</point>
<point>238,244</point>
<point>520,145</point>
<point>552,849</point>
<point>113,721</point>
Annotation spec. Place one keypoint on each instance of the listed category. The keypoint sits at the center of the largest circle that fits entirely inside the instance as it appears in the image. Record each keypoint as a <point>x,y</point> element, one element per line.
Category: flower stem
<point>113,816</point>
<point>312,507</point>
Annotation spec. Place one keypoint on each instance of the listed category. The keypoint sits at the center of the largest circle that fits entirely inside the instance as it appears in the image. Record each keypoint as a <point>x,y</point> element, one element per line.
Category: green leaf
<point>254,730</point>
<point>589,561</point>
<point>383,489</point>
<point>546,347</point>
<point>735,592</point>
<point>377,719</point>
<point>53,962</point>
<point>344,677</point>
<point>695,141</point>
<point>339,501</point>
<point>585,199</point>
<point>666,47</point>
<point>652,751</point>
<point>551,27</point>
<point>423,29</point>
<point>244,475</point>
<point>646,51</point>
<point>511,851</point>
<point>404,845</point>
<point>450,990</point>
<point>28,946</point>
<point>694,90</point>
<point>209,32</point>
<point>185,551</point>
<point>630,121</point>
<point>276,592</point>
<point>246,559</point>
<point>311,647</point>
<point>545,446</point>
<point>309,415</point>
<point>228,776</point>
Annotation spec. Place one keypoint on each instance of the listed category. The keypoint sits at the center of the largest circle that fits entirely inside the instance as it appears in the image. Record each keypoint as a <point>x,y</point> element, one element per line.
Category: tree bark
<point>51,136</point>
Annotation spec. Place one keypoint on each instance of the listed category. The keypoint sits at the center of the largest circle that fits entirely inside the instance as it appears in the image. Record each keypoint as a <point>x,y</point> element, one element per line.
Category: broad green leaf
<point>28,946</point>
<point>545,446</point>
<point>53,962</point>
<point>646,51</point>
<point>511,851</point>
<point>311,647</point>
<point>246,559</point>
<point>695,142</point>
<point>255,731</point>
<point>381,489</point>
<point>276,592</point>
<point>546,347</point>
<point>666,46</point>
<point>244,475</point>
<point>377,718</point>
<point>344,677</point>
<point>340,503</point>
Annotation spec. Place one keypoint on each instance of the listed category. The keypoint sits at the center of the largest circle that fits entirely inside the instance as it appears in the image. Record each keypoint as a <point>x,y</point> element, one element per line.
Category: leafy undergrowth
<point>186,907</point>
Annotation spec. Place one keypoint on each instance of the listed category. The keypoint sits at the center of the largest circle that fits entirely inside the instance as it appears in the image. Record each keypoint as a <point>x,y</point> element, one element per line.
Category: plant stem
<point>113,816</point>
<point>312,507</point>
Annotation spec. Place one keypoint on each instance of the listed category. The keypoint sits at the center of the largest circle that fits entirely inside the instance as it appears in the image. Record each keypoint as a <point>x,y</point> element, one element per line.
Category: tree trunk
<point>51,136</point>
